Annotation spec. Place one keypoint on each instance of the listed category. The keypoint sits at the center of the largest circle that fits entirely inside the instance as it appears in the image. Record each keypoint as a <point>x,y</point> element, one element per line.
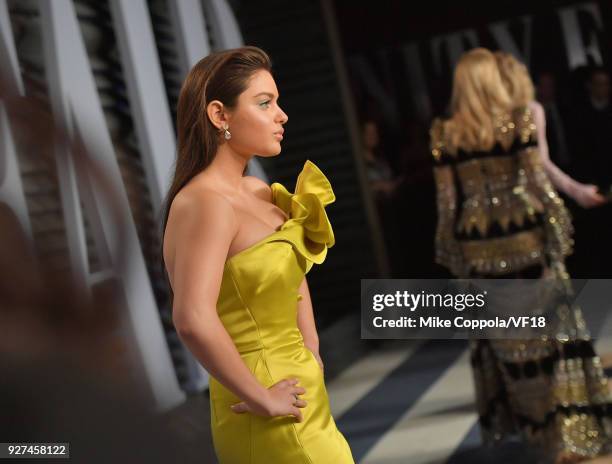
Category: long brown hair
<point>219,76</point>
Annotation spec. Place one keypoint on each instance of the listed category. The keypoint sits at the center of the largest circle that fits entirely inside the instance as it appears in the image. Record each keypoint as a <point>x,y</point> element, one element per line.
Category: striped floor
<point>413,402</point>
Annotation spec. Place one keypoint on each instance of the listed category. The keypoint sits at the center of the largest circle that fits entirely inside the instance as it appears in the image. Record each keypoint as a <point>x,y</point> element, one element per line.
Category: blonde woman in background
<point>499,216</point>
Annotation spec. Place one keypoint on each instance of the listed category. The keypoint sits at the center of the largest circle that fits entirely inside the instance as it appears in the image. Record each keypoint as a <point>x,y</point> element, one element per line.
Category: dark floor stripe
<point>511,452</point>
<point>376,413</point>
<point>471,451</point>
<point>470,441</point>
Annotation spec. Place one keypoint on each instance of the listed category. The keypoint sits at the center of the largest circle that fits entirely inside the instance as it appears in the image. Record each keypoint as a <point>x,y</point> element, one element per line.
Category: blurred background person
<point>384,185</point>
<point>499,216</point>
<point>59,349</point>
<point>380,175</point>
<point>592,163</point>
<point>594,130</point>
<point>556,119</point>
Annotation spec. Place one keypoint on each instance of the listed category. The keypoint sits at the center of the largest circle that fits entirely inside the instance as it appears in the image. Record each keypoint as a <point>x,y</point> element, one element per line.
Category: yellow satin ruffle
<point>308,228</point>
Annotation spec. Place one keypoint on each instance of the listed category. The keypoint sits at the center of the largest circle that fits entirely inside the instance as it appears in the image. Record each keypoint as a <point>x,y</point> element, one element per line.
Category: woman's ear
<point>216,114</point>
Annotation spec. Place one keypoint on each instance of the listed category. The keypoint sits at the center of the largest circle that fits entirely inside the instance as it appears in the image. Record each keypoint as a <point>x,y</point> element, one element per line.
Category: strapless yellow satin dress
<point>258,307</point>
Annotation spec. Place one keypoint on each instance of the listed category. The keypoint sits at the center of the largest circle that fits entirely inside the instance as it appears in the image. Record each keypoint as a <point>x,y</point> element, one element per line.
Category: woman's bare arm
<point>585,195</point>
<point>204,227</point>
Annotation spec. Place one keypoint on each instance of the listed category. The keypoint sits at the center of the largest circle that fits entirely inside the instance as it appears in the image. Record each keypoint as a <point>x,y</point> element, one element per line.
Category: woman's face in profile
<point>257,122</point>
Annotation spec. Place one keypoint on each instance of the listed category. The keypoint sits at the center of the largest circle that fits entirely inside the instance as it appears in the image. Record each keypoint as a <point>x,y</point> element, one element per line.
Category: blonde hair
<point>478,97</point>
<point>516,79</point>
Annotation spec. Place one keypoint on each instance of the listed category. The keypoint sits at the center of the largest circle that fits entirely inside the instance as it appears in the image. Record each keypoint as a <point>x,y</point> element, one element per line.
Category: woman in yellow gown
<point>236,252</point>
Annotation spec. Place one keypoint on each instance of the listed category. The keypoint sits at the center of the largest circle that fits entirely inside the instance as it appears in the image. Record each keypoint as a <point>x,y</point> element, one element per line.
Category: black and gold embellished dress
<point>500,217</point>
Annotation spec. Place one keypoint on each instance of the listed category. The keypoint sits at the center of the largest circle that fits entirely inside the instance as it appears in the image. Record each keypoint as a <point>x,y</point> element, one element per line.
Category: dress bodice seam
<point>245,305</point>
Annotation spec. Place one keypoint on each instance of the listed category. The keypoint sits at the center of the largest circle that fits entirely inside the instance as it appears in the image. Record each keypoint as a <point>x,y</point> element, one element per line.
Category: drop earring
<point>226,132</point>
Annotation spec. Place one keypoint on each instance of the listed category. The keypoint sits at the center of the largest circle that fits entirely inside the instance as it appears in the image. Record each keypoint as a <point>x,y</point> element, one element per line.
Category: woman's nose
<point>283,117</point>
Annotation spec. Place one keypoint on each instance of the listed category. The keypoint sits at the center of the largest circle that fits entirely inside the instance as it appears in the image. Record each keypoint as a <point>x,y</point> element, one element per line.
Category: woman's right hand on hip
<point>282,400</point>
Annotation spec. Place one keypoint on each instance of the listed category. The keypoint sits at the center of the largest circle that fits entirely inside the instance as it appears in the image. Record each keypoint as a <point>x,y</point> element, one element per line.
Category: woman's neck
<point>228,166</point>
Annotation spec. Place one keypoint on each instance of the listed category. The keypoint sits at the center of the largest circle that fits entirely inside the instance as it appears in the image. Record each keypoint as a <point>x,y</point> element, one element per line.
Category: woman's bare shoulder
<point>538,111</point>
<point>198,217</point>
<point>535,105</point>
<point>201,204</point>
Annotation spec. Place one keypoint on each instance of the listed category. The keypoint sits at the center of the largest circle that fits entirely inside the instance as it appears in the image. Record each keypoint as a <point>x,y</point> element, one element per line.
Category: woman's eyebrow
<point>271,95</point>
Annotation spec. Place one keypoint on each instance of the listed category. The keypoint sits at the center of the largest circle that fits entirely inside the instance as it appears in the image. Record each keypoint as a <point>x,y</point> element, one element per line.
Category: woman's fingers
<point>592,196</point>
<point>240,408</point>
<point>298,390</point>
<point>286,383</point>
<point>297,413</point>
<point>284,387</point>
<point>595,200</point>
<point>300,404</point>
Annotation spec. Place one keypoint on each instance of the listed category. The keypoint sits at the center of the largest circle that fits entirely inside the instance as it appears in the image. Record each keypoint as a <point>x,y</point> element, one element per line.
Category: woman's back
<point>496,203</point>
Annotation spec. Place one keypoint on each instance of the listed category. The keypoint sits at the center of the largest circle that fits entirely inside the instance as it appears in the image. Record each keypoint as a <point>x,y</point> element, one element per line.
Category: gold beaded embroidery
<point>448,253</point>
<point>502,190</point>
<point>569,435</point>
<point>498,256</point>
<point>516,189</point>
